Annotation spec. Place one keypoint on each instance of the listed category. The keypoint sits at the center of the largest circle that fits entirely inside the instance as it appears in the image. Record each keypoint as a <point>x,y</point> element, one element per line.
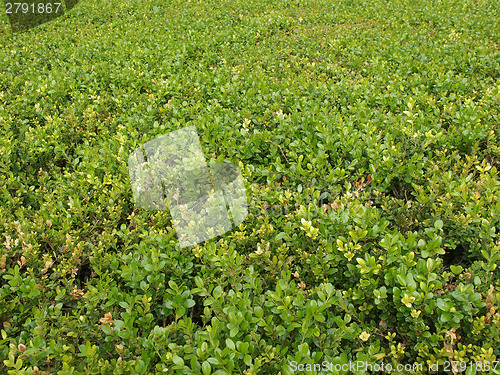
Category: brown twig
<point>282,153</point>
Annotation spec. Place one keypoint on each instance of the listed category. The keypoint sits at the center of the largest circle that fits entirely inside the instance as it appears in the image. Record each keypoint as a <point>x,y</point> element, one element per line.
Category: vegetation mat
<point>367,134</point>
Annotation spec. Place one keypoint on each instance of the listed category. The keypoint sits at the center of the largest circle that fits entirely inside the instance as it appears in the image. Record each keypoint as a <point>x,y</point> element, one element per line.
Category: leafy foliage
<point>367,135</point>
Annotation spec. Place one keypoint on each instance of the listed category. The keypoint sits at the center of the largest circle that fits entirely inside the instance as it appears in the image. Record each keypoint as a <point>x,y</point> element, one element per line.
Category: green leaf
<point>213,361</point>
<point>178,360</point>
<point>234,331</point>
<point>401,279</point>
<point>206,368</point>
<point>445,317</point>
<point>217,292</point>
<point>425,254</point>
<point>303,349</point>
<point>208,301</point>
<point>230,344</point>
<point>329,289</point>
<point>474,297</point>
<point>457,270</point>
<point>319,317</point>
<point>410,282</point>
<point>19,364</point>
<point>438,224</point>
<point>441,304</point>
<point>199,282</point>
<point>258,311</point>
<point>280,236</point>
<point>247,359</point>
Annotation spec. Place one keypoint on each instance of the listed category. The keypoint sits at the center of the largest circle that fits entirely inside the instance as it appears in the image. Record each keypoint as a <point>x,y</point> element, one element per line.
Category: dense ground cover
<point>368,138</point>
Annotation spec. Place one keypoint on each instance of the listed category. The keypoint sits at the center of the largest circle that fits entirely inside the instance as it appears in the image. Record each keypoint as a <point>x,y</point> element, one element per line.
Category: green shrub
<point>367,137</point>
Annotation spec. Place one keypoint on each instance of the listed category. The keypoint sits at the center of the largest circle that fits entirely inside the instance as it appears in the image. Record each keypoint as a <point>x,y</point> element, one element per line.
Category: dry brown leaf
<point>77,293</point>
<point>3,262</point>
<point>452,335</point>
<point>489,314</point>
<point>335,204</point>
<point>108,319</point>
<point>448,349</point>
<point>48,263</point>
<point>74,272</point>
<point>7,242</point>
<point>488,298</point>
